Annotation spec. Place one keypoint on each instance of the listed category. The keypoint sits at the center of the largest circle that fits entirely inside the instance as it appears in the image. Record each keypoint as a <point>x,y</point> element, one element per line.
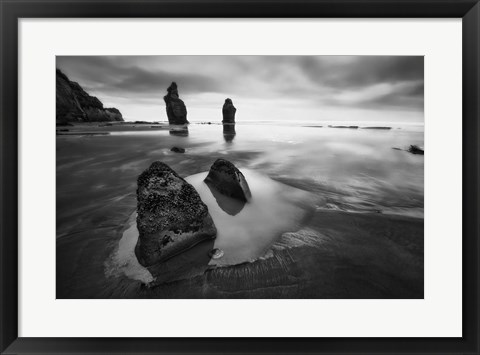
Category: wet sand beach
<point>350,207</point>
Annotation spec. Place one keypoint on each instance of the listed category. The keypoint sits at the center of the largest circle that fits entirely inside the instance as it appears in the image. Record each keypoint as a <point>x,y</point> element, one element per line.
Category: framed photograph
<point>240,177</point>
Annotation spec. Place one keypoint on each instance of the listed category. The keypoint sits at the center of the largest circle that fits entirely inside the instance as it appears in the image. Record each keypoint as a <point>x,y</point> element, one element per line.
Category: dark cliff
<point>75,105</point>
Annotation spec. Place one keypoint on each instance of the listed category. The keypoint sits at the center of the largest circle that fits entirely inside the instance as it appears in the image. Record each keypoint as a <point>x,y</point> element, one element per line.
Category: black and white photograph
<point>239,177</point>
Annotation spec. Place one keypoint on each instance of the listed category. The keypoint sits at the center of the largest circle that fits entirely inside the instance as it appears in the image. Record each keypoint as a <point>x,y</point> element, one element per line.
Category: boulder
<point>171,217</point>
<point>176,109</point>
<point>228,112</point>
<point>228,180</point>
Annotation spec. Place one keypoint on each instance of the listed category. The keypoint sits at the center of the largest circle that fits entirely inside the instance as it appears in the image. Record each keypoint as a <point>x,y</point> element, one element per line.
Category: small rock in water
<point>415,149</point>
<point>178,150</point>
<point>216,253</point>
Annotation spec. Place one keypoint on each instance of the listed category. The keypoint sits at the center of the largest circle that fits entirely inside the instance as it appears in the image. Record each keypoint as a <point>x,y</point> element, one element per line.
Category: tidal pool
<point>123,260</point>
<point>274,208</point>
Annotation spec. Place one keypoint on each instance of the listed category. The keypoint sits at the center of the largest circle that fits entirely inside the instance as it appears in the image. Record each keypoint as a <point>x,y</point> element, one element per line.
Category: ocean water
<point>351,169</point>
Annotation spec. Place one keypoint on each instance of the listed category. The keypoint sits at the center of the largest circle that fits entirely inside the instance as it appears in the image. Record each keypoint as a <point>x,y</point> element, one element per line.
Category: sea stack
<point>171,217</point>
<point>228,111</point>
<point>228,180</point>
<point>176,110</point>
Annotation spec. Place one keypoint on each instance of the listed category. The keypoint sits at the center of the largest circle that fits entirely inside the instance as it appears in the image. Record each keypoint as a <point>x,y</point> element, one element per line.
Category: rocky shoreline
<point>73,104</point>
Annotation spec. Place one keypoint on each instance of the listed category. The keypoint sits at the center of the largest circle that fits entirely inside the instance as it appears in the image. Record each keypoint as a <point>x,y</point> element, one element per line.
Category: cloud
<point>398,95</point>
<point>373,82</point>
<point>361,71</point>
<point>408,94</point>
<point>111,76</point>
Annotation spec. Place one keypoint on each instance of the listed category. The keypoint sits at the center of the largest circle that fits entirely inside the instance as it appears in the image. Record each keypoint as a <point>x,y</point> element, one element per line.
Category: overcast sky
<point>306,88</point>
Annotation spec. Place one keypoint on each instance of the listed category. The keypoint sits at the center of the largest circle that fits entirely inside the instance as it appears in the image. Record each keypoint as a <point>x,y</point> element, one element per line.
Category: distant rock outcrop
<point>176,109</point>
<point>228,180</point>
<point>177,150</point>
<point>73,104</point>
<point>171,217</point>
<point>415,149</point>
<point>353,127</point>
<point>228,112</point>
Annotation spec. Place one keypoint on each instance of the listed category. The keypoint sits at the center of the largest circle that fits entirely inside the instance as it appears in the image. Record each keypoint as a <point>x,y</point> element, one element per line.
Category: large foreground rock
<point>171,216</point>
<point>73,104</point>
<point>228,112</point>
<point>228,180</point>
<point>176,109</point>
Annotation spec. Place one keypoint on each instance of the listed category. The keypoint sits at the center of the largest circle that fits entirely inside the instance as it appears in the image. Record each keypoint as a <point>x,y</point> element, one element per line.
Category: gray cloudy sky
<point>299,88</point>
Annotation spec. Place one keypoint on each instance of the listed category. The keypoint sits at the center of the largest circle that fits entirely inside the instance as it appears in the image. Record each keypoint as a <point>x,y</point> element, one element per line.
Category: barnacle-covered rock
<point>171,217</point>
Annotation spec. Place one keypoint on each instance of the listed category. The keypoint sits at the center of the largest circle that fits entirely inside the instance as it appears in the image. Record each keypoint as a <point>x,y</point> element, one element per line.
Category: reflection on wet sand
<point>190,263</point>
<point>179,130</point>
<point>229,132</point>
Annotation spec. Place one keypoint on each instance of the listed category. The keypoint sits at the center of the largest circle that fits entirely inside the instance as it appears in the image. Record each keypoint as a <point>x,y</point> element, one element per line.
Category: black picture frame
<point>12,11</point>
